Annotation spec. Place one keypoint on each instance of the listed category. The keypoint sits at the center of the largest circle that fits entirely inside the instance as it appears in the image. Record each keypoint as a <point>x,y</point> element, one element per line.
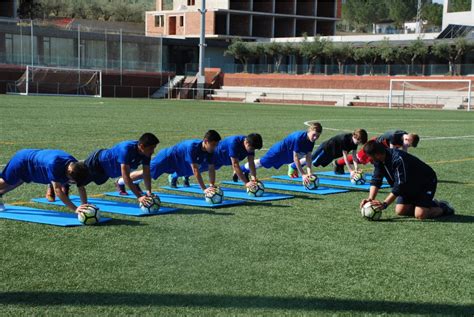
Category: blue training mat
<point>47,217</point>
<point>330,182</point>
<point>297,188</point>
<point>232,193</point>
<point>182,200</point>
<point>110,206</point>
<point>368,176</point>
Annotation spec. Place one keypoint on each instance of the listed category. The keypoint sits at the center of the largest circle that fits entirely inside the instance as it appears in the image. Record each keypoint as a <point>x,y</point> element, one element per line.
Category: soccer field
<point>310,255</point>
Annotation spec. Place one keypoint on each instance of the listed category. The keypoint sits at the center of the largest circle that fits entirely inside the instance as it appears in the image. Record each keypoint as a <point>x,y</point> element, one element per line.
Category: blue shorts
<point>321,158</point>
<point>423,198</point>
<point>12,173</point>
<point>162,164</point>
<point>276,158</point>
<point>96,171</point>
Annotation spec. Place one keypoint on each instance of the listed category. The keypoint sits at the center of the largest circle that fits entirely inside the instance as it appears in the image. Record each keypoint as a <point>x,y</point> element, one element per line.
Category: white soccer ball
<point>313,183</point>
<point>257,190</point>
<point>152,204</point>
<point>215,196</point>
<point>358,178</point>
<point>89,215</point>
<point>370,212</point>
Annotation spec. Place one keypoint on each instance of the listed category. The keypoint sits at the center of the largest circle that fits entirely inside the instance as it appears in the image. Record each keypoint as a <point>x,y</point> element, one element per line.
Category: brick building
<point>247,19</point>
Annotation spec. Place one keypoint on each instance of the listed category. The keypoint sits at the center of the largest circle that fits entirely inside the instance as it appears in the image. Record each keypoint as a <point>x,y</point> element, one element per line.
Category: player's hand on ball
<point>145,200</point>
<point>306,179</point>
<point>364,201</point>
<point>209,190</point>
<point>250,184</point>
<point>377,204</point>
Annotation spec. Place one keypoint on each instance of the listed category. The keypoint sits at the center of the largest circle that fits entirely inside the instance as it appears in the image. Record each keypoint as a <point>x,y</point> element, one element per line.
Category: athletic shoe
<point>186,181</point>
<point>121,189</point>
<point>292,172</point>
<point>173,181</point>
<point>50,194</point>
<point>448,210</point>
<point>235,178</point>
<point>338,169</point>
<point>2,205</point>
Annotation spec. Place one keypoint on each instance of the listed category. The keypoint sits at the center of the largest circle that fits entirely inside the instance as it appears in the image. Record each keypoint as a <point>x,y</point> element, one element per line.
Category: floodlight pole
<point>32,44</point>
<point>201,79</point>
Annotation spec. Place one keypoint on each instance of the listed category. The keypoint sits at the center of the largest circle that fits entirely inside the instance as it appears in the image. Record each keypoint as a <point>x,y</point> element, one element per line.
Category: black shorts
<point>96,172</point>
<point>321,158</point>
<point>422,199</point>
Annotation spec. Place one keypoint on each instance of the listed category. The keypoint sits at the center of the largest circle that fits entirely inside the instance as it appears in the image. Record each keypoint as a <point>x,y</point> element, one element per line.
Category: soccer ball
<point>313,183</point>
<point>257,190</point>
<point>152,205</point>
<point>90,215</point>
<point>370,212</point>
<point>215,196</point>
<point>358,178</point>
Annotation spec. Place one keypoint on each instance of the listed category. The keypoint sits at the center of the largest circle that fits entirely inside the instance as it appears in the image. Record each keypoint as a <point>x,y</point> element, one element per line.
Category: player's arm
<point>147,178</point>
<point>346,161</point>
<point>197,174</point>
<point>238,170</point>
<point>212,175</point>
<point>58,190</point>
<point>128,181</point>
<point>355,160</point>
<point>252,168</point>
<point>297,162</point>
<point>82,194</point>
<point>387,201</point>
<point>375,184</point>
<point>309,166</point>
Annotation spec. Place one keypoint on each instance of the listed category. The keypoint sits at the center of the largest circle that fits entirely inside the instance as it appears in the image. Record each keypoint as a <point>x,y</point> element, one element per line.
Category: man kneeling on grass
<point>413,183</point>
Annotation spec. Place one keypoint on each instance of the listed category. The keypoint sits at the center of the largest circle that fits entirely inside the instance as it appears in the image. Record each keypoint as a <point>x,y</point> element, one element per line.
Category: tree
<point>451,53</point>
<point>243,52</point>
<point>416,50</point>
<point>278,51</point>
<point>341,52</point>
<point>30,9</point>
<point>401,11</point>
<point>459,5</point>
<point>368,55</point>
<point>433,13</point>
<point>388,53</point>
<point>361,14</point>
<point>312,50</point>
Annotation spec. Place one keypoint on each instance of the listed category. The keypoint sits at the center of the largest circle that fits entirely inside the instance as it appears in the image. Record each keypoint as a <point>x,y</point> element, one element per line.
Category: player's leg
<point>427,207</point>
<point>5,188</point>
<point>258,164</point>
<point>404,209</point>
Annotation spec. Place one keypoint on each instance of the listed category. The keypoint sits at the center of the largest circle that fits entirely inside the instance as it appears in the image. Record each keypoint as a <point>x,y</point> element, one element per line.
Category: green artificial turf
<point>310,255</point>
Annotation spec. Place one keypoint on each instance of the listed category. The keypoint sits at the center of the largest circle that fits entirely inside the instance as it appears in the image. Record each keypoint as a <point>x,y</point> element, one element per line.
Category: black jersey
<point>394,137</point>
<point>335,145</point>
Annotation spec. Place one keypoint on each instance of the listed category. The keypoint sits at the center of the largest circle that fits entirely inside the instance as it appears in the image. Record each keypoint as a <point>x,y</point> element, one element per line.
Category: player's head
<point>78,173</point>
<point>376,151</point>
<point>210,141</point>
<point>359,136</point>
<point>411,139</point>
<point>314,131</point>
<point>253,142</point>
<point>147,144</point>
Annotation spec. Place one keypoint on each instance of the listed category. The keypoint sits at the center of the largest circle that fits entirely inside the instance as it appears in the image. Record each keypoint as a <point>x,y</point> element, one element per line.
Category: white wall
<point>460,18</point>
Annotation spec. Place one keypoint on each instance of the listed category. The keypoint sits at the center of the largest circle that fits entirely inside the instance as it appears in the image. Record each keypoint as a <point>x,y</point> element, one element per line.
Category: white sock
<point>120,181</point>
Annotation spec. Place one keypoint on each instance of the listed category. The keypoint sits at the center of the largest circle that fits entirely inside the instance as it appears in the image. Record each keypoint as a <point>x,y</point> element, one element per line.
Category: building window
<point>159,21</point>
<point>191,2</point>
<point>181,21</point>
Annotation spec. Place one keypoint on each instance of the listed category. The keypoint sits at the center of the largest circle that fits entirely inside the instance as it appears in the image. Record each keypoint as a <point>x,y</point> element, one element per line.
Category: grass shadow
<point>81,299</point>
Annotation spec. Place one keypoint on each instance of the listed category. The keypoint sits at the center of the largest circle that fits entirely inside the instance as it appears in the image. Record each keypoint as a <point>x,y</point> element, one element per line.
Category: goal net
<point>430,93</point>
<point>39,80</point>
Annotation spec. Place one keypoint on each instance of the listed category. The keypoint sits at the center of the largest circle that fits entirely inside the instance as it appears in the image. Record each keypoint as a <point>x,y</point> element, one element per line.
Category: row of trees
<point>317,49</point>
<point>105,10</point>
<point>361,14</point>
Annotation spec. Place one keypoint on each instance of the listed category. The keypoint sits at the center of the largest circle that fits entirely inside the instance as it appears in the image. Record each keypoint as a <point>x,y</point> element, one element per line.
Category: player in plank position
<point>54,167</point>
<point>394,139</point>
<point>233,149</point>
<point>337,146</point>
<point>296,145</point>
<point>185,159</point>
<point>120,160</point>
<point>413,183</point>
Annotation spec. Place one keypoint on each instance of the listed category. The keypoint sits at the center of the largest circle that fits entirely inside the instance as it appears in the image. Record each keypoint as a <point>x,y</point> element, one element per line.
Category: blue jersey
<point>178,159</point>
<point>125,152</point>
<point>38,166</point>
<point>232,146</point>
<point>282,152</point>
